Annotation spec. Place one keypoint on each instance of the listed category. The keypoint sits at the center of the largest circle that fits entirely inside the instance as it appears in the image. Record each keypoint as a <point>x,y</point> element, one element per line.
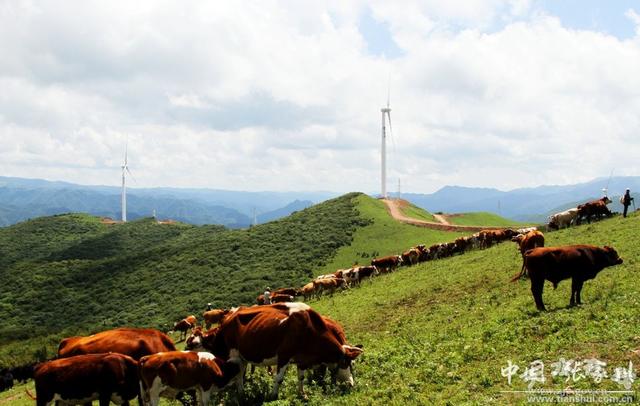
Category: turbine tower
<point>383,177</point>
<point>125,169</point>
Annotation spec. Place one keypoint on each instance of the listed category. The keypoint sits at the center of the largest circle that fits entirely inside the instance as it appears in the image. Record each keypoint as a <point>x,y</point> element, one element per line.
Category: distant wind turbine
<point>125,170</point>
<point>383,177</point>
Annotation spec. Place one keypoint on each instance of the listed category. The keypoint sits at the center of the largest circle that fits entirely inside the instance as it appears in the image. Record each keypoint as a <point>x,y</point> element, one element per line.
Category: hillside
<point>440,332</point>
<point>71,273</point>
<point>481,219</point>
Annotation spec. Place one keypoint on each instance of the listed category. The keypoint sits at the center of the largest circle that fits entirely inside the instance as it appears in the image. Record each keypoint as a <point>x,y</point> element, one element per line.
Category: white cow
<point>563,219</point>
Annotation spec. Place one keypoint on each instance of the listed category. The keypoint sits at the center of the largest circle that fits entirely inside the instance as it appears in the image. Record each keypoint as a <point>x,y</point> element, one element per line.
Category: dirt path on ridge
<point>394,207</point>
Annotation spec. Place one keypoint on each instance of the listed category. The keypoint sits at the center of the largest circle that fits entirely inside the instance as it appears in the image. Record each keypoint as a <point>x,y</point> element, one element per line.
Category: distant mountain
<point>525,204</point>
<point>292,207</point>
<point>22,199</point>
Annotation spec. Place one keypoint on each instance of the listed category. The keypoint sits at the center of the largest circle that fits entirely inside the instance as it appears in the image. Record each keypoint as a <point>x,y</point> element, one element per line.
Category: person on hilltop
<point>626,201</point>
<point>267,296</point>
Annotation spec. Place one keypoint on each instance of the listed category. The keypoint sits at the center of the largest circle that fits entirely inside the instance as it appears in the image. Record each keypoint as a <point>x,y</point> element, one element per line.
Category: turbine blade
<point>131,174</point>
<point>393,141</point>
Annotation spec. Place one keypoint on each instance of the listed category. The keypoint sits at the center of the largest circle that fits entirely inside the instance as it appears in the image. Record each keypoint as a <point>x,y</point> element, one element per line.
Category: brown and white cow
<point>82,379</point>
<point>168,373</point>
<point>307,291</point>
<point>283,334</point>
<point>578,262</point>
<point>532,239</point>
<point>320,286</point>
<point>563,219</point>
<point>214,316</point>
<point>184,325</point>
<point>388,263</point>
<point>134,342</point>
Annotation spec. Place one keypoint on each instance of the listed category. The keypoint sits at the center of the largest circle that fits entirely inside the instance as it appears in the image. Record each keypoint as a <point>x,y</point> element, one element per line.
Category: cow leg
<point>300,384</point>
<point>537,286</point>
<point>576,287</point>
<point>280,372</point>
<point>103,401</point>
<point>204,397</point>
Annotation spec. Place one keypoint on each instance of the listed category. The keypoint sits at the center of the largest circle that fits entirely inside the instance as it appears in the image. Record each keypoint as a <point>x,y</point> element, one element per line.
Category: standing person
<point>267,295</point>
<point>626,201</point>
<point>209,307</point>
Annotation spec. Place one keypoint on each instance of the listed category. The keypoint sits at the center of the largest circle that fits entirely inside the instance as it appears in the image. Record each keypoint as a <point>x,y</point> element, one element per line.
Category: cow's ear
<point>352,352</point>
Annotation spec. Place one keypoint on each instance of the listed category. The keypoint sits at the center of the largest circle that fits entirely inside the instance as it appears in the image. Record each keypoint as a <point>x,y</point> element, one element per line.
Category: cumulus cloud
<point>286,96</point>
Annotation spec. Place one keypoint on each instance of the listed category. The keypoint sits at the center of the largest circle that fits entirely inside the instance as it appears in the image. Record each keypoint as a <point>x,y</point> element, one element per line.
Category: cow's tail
<point>520,274</point>
<point>30,395</point>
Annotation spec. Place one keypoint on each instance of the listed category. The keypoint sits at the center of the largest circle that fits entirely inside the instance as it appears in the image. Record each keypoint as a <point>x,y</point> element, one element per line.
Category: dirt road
<point>394,209</point>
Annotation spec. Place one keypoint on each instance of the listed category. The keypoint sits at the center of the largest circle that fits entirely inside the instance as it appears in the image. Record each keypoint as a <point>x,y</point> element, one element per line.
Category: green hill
<point>482,218</point>
<point>440,332</point>
<point>70,274</point>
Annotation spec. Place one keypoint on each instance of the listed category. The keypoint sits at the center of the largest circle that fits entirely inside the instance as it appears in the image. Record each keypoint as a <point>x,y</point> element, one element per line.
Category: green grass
<point>417,213</point>
<point>482,219</point>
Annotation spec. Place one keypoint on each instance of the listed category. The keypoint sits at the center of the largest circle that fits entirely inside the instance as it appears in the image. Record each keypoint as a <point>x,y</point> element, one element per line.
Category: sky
<point>286,95</point>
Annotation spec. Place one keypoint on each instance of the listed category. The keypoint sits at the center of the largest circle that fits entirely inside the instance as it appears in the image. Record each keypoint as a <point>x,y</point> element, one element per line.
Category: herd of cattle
<point>122,364</point>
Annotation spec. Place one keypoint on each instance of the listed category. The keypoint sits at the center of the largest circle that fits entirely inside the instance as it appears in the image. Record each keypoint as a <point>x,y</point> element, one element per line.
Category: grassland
<point>440,332</point>
<point>482,219</point>
<point>416,212</point>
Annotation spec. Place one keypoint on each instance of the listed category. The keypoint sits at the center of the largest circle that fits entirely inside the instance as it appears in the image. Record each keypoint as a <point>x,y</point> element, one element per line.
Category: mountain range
<point>22,199</point>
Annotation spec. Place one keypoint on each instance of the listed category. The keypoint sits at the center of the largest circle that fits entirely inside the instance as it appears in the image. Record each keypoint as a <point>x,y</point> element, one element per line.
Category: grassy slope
<point>417,213</point>
<point>482,219</point>
<point>383,236</point>
<point>440,332</point>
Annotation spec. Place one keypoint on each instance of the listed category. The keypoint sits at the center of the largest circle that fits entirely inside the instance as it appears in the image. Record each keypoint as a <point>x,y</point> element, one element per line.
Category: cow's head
<point>201,341</point>
<point>612,256</point>
<point>518,238</point>
<point>606,200</point>
<point>344,373</point>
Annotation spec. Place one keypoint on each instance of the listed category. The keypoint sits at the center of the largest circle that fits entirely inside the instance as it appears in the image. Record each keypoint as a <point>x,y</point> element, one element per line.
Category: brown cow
<point>286,291</point>
<point>184,325</point>
<point>578,262</point>
<point>215,316</point>
<point>286,333</point>
<point>134,342</point>
<point>388,263</point>
<point>530,240</point>
<point>595,208</point>
<point>275,298</point>
<point>411,256</point>
<point>168,373</point>
<point>84,378</point>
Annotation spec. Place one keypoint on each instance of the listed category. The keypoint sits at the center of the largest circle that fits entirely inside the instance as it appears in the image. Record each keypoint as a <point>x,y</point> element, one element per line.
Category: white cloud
<point>273,95</point>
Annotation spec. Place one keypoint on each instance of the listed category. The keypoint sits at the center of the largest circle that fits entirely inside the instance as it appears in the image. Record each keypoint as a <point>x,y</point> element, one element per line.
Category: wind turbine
<point>125,170</point>
<point>383,177</point>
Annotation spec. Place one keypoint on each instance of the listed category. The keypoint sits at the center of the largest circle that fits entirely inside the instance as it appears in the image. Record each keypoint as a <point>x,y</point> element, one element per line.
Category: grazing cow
<point>351,276</point>
<point>578,262</point>
<point>532,239</point>
<point>411,256</point>
<point>215,316</point>
<point>275,298</point>
<point>168,373</point>
<point>388,263</point>
<point>307,291</point>
<point>85,378</point>
<point>366,272</point>
<point>462,244</point>
<point>563,219</point>
<point>6,380</point>
<point>595,208</point>
<point>184,325</point>
<point>489,237</point>
<point>282,334</point>
<point>286,291</point>
<point>327,285</point>
<point>134,342</point>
